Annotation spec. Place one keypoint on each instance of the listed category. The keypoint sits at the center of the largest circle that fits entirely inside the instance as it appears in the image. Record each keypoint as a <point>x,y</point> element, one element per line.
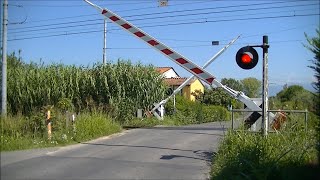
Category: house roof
<point>176,81</point>
<point>162,70</point>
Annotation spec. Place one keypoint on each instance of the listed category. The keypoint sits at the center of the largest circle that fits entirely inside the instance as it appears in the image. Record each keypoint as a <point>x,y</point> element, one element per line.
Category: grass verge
<point>18,134</point>
<point>289,154</point>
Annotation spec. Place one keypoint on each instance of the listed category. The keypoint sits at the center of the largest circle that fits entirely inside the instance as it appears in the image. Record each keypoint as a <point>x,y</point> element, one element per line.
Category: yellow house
<point>172,79</point>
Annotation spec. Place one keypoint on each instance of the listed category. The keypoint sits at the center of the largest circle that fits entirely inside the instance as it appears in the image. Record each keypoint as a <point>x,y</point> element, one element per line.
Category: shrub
<point>196,112</point>
<point>90,126</point>
<point>215,113</point>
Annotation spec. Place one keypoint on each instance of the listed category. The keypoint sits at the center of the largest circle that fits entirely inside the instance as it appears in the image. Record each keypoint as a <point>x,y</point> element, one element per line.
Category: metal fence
<point>305,112</point>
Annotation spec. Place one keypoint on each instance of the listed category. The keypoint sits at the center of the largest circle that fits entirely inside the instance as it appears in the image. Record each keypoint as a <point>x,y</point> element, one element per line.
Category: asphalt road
<point>148,153</point>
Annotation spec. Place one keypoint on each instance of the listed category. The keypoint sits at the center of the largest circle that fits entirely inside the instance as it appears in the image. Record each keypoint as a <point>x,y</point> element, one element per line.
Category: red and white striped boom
<point>172,54</point>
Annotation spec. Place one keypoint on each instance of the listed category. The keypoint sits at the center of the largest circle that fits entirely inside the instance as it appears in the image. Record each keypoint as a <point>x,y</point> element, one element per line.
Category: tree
<point>294,97</point>
<point>232,83</point>
<point>314,47</point>
<point>251,87</point>
<point>288,93</point>
<point>218,96</point>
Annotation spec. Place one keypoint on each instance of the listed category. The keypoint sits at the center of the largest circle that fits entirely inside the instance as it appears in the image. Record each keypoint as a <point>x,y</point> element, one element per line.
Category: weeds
<point>247,155</point>
<point>19,132</point>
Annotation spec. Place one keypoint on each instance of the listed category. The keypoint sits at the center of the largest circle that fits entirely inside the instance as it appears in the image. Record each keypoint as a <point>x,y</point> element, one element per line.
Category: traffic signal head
<point>247,57</point>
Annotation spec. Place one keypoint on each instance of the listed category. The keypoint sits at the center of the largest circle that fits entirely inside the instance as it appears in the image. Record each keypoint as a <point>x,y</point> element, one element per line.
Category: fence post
<point>73,119</point>
<point>48,121</point>
<point>268,113</point>
<point>306,119</point>
<point>67,119</point>
<point>232,119</point>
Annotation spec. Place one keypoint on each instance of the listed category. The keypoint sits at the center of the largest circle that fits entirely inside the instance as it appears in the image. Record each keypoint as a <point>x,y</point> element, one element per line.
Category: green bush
<point>182,104</point>
<point>215,113</point>
<point>245,155</point>
<point>90,126</point>
<point>196,112</point>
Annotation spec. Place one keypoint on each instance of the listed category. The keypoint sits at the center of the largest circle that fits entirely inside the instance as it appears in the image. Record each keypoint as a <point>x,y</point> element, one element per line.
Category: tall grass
<point>94,126</point>
<point>288,154</point>
<point>20,132</point>
<point>119,89</point>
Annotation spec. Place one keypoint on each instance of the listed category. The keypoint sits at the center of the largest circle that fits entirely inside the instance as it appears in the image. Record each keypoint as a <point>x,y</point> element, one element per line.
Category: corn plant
<point>120,88</point>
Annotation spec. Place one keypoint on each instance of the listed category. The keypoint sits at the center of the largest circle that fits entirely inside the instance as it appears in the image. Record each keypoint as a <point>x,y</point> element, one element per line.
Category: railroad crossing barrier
<point>279,120</point>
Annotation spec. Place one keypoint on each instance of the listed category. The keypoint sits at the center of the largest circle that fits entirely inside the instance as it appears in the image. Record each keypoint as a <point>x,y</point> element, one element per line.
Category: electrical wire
<point>34,28</point>
<point>31,32</point>
<point>68,17</point>
<point>200,45</point>
<point>174,24</point>
<point>222,40</point>
<point>198,9</point>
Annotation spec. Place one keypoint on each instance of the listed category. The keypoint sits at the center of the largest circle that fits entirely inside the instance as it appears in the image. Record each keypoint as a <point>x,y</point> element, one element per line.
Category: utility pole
<point>4,60</point>
<point>104,41</point>
<point>265,117</point>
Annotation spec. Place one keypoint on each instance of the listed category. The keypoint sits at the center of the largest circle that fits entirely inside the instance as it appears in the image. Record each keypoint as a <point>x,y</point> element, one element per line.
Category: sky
<point>71,32</point>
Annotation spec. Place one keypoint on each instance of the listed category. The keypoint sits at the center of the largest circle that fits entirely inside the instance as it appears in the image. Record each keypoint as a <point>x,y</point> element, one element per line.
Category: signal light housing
<point>247,57</point>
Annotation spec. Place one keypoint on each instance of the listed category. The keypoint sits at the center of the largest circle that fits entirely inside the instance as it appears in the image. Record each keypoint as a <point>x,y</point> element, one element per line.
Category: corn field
<point>119,89</point>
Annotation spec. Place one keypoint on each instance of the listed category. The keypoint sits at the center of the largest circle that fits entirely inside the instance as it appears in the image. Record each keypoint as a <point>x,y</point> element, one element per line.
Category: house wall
<point>186,92</point>
<point>170,74</point>
<point>196,85</point>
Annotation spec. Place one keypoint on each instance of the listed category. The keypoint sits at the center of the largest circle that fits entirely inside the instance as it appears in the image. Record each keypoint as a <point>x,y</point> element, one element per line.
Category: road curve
<point>147,153</point>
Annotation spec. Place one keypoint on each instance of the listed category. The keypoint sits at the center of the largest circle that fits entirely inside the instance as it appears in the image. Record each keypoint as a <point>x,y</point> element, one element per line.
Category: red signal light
<point>247,57</point>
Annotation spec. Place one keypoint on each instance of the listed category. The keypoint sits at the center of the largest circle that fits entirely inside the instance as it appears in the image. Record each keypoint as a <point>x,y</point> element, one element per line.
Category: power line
<point>236,15</point>
<point>31,32</point>
<point>60,27</point>
<point>174,24</point>
<point>226,20</point>
<point>92,24</point>
<point>34,28</point>
<point>182,40</point>
<point>242,37</point>
<point>209,8</point>
<point>127,10</point>
<point>216,12</point>
<point>69,6</point>
<point>56,35</point>
<point>56,24</point>
<point>200,45</point>
<point>117,4</point>
<point>198,9</point>
<point>99,20</point>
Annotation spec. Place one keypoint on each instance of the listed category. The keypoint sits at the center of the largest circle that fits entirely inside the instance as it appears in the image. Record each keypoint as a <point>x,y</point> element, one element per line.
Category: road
<point>146,153</point>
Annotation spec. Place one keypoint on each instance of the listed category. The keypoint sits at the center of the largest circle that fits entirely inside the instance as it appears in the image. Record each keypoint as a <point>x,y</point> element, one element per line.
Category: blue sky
<point>71,32</point>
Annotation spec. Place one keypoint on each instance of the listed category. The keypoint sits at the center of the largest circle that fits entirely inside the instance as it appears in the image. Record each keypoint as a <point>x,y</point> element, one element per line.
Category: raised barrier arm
<point>156,44</point>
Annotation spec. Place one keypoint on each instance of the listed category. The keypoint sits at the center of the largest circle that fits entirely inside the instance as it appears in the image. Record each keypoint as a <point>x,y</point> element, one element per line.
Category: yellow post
<point>48,121</point>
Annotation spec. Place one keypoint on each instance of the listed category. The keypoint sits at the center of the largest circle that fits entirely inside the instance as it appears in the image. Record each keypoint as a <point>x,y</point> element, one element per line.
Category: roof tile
<point>176,81</point>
